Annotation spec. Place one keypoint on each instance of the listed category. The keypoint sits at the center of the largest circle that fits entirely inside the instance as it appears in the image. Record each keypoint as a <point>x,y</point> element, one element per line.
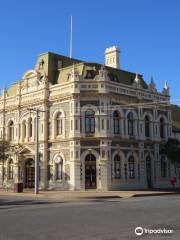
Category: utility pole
<point>37,154</point>
<point>37,111</point>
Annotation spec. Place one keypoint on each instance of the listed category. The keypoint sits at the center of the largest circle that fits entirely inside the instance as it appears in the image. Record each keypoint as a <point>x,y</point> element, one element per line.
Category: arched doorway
<point>90,171</point>
<point>30,173</point>
<point>148,172</point>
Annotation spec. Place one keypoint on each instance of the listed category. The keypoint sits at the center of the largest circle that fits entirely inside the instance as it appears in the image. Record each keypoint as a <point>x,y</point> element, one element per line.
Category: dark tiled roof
<point>116,75</point>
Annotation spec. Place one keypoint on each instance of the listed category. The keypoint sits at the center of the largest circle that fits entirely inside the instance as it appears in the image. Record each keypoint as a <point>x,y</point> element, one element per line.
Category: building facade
<point>102,127</point>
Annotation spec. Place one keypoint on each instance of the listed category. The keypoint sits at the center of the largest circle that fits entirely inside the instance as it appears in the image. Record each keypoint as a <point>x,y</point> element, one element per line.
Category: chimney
<point>112,57</point>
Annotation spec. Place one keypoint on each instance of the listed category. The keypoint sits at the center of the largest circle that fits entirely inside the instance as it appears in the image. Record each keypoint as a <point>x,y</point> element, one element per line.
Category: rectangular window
<point>71,124</point>
<point>107,124</point>
<point>76,124</point>
<point>77,154</point>
<point>76,107</point>
<point>102,123</point>
<point>103,153</point>
<point>80,125</point>
<point>102,107</point>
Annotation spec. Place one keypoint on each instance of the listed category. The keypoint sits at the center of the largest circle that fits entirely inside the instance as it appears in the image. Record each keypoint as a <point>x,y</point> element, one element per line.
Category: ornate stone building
<point>102,126</point>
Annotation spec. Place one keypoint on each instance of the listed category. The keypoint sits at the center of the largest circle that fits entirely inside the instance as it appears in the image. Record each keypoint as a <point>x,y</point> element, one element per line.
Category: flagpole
<point>71,39</point>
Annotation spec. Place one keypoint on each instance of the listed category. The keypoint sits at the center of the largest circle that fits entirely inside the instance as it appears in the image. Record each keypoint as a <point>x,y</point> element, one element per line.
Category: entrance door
<point>148,172</point>
<point>90,172</point>
<point>30,174</point>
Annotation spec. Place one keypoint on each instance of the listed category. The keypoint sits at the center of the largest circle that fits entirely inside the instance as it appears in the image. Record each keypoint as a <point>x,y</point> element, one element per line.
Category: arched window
<point>11,169</point>
<point>30,127</point>
<point>161,127</point>
<point>59,168</point>
<point>89,121</point>
<point>130,124</point>
<point>117,167</point>
<point>131,167</point>
<point>11,131</point>
<point>163,167</point>
<point>147,126</point>
<point>116,122</point>
<point>59,124</point>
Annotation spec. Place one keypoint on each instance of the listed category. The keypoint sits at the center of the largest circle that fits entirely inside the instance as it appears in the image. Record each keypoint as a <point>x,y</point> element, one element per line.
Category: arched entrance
<point>148,172</point>
<point>29,173</point>
<point>90,171</point>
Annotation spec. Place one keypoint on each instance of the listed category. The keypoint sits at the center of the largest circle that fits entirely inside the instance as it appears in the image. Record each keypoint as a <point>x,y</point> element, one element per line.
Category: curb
<point>81,197</point>
<point>155,194</point>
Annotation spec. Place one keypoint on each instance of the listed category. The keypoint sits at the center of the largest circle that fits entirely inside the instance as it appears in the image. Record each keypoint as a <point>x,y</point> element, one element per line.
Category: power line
<point>152,105</point>
<point>130,105</point>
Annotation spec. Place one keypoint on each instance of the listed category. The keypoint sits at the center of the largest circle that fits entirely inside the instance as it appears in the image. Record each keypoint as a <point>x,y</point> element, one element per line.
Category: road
<point>103,219</point>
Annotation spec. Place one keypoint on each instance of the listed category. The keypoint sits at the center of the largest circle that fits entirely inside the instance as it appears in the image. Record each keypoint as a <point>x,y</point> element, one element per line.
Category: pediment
<point>26,150</point>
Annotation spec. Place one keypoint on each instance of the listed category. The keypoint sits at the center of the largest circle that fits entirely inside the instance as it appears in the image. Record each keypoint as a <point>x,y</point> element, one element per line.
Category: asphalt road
<point>108,219</point>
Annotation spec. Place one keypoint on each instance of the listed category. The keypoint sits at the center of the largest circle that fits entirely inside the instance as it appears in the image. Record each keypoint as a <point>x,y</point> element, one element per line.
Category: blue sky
<point>147,32</point>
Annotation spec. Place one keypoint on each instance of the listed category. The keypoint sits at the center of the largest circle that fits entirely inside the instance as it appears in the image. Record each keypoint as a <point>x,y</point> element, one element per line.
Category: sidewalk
<point>90,194</point>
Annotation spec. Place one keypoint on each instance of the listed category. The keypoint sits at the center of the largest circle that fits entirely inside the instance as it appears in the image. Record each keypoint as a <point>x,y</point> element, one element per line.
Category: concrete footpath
<point>87,195</point>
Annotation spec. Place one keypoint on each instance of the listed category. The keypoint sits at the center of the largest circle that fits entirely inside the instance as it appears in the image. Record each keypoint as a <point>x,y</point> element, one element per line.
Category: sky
<point>146,31</point>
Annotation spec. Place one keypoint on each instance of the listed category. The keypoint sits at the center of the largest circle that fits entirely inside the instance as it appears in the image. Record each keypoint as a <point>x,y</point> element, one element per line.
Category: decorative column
<point>157,167</point>
<point>142,166</point>
<point>1,174</point>
<point>75,165</point>
<point>105,165</point>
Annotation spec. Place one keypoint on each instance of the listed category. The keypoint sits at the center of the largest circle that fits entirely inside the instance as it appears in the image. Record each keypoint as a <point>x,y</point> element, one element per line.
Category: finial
<point>4,91</point>
<point>152,79</point>
<point>137,78</point>
<point>166,89</point>
<point>166,85</point>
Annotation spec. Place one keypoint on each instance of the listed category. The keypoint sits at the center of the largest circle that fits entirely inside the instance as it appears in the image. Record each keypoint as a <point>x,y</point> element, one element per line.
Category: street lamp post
<point>37,111</point>
<point>37,154</point>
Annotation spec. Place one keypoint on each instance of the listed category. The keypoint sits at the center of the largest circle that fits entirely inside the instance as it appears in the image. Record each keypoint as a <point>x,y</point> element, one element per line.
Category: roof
<point>13,89</point>
<point>85,69</point>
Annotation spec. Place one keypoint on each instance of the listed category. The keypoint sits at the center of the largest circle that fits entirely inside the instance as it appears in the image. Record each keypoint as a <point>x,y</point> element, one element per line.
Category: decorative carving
<point>74,74</point>
<point>103,73</point>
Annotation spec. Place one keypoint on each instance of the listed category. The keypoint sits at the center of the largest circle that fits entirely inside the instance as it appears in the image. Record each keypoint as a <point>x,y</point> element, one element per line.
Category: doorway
<point>90,172</point>
<point>29,173</point>
<point>148,172</point>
